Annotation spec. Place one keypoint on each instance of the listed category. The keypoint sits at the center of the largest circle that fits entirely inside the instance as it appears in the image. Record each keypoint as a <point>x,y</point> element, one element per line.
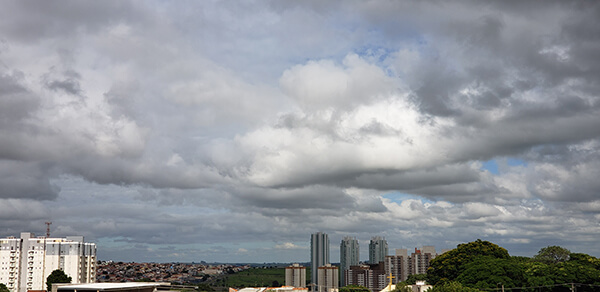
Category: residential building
<point>419,260</point>
<point>328,278</point>
<point>295,276</point>
<point>270,289</point>
<point>26,262</point>
<point>378,250</point>
<point>401,265</point>
<point>349,256</point>
<point>319,255</point>
<point>371,276</point>
<point>397,266</point>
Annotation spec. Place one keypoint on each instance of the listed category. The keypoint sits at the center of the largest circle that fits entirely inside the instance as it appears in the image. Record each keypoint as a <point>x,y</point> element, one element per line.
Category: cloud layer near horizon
<point>231,131</point>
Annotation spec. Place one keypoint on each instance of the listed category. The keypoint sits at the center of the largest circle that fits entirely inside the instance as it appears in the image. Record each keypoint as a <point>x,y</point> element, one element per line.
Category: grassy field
<point>256,277</point>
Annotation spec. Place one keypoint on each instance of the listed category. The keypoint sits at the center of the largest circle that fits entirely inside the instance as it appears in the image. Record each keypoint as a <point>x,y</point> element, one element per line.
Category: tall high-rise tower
<point>349,256</point>
<point>378,250</point>
<point>319,255</point>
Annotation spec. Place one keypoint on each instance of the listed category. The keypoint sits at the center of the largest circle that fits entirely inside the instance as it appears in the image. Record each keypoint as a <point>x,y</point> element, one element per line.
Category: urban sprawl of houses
<point>109,271</point>
<point>26,262</point>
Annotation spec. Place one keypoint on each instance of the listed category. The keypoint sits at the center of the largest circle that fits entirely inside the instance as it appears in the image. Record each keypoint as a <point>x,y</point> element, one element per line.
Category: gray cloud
<point>64,19</point>
<point>27,180</point>
<point>243,128</point>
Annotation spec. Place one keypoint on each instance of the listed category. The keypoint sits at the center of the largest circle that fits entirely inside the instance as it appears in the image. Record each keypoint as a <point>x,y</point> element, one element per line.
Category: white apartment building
<point>26,262</point>
<point>295,276</point>
<point>329,278</point>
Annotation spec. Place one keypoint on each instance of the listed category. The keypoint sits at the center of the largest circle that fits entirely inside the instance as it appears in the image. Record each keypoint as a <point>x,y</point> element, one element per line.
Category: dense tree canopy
<point>486,272</point>
<point>354,288</point>
<point>3,288</point>
<point>450,265</point>
<point>57,276</point>
<point>484,265</point>
<point>452,287</point>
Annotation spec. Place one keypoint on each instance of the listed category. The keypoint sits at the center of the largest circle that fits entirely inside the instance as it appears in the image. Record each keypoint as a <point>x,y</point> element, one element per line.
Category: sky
<point>229,131</point>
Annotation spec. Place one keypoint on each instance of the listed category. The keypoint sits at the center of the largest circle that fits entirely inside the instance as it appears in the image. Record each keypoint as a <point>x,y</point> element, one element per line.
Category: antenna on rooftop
<point>48,229</point>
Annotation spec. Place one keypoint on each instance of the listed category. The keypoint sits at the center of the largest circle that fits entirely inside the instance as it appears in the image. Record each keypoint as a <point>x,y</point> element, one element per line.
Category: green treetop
<point>57,276</point>
<point>3,288</point>
<point>449,265</point>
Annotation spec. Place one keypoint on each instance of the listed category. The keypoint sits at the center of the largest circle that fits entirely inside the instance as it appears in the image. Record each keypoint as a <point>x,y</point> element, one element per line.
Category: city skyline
<point>220,131</point>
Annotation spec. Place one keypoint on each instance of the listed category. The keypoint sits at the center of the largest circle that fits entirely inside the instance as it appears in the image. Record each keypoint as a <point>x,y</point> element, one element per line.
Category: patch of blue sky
<point>374,53</point>
<point>398,197</point>
<point>492,165</point>
<point>516,162</point>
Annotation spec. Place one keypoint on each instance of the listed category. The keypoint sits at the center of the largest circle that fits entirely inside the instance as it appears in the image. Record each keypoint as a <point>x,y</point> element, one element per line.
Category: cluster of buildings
<point>109,271</point>
<point>381,271</point>
<point>26,262</point>
<point>271,289</point>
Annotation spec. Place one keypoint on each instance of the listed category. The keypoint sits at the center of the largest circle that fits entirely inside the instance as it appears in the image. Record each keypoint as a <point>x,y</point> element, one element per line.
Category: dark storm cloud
<point>414,179</point>
<point>26,181</point>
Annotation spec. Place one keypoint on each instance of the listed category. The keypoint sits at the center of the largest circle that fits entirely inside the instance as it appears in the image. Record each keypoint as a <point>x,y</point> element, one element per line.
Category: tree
<point>452,287</point>
<point>486,272</point>
<point>402,287</point>
<point>354,288</point>
<point>537,274</point>
<point>413,278</point>
<point>57,276</point>
<point>3,288</point>
<point>552,255</point>
<point>449,265</point>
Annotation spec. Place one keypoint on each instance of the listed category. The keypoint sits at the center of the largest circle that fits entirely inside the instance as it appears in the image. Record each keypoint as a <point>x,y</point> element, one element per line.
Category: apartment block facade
<point>401,265</point>
<point>328,278</point>
<point>371,276</point>
<point>26,262</point>
<point>295,276</point>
